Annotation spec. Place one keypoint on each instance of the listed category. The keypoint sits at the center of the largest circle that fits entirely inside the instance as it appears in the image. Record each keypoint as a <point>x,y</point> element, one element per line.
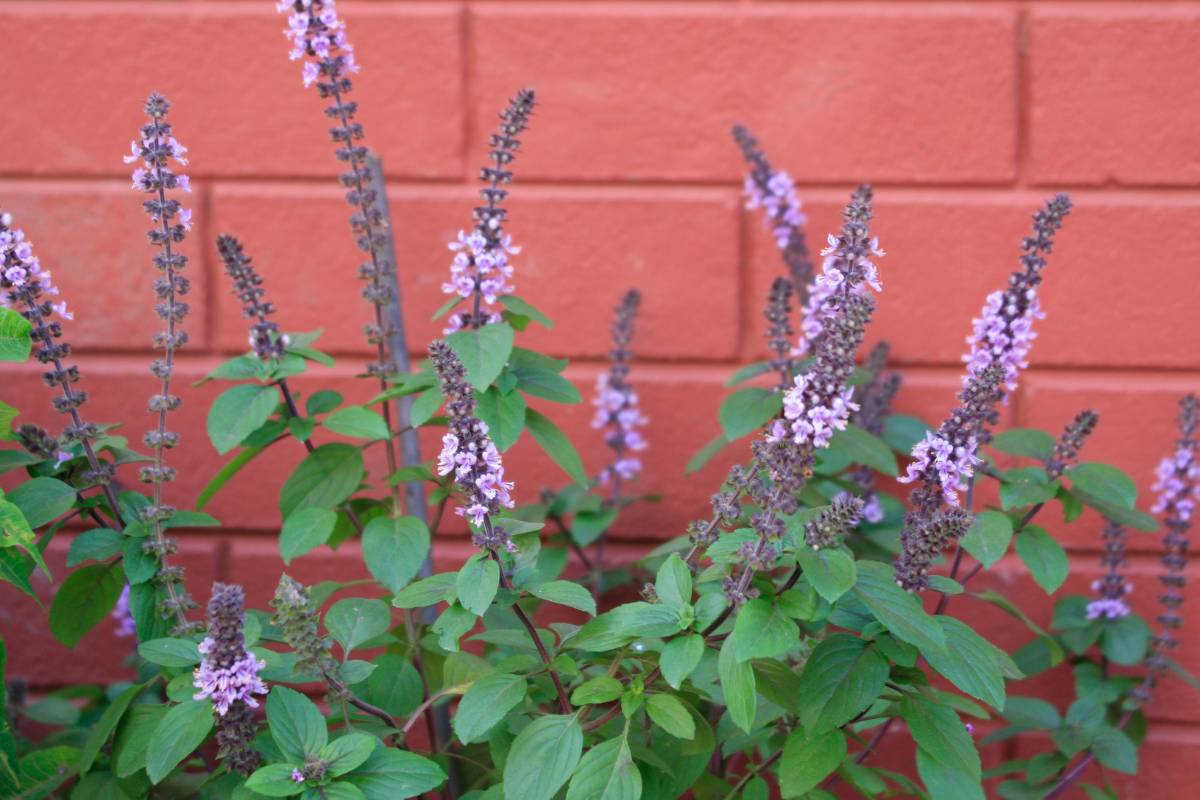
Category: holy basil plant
<point>766,650</point>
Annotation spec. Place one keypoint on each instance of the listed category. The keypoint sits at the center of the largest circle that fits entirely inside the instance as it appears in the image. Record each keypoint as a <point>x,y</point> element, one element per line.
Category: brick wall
<point>965,115</point>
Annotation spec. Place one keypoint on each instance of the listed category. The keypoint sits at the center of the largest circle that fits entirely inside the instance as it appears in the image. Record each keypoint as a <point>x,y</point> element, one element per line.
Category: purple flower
<point>467,449</point>
<point>317,33</point>
<point>227,673</point>
<point>616,402</point>
<point>480,270</point>
<point>812,415</point>
<point>21,272</point>
<point>125,624</point>
<point>1106,608</point>
<point>297,776</point>
<point>951,464</point>
<point>1177,476</point>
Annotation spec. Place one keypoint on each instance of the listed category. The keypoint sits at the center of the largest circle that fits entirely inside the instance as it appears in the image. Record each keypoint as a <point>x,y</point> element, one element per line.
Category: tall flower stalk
<point>155,148</point>
<point>318,37</point>
<point>480,271</point>
<point>818,403</point>
<point>780,332</point>
<point>775,193</point>
<point>228,675</point>
<point>874,400</point>
<point>265,337</point>
<point>944,461</point>
<point>616,402</point>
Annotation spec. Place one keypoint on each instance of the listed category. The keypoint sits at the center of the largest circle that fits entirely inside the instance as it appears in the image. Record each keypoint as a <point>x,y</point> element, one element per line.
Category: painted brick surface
<point>964,114</point>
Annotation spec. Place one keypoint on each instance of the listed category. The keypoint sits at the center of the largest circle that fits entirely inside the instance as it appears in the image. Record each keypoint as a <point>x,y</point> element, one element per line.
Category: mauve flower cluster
<point>847,261</point>
<point>24,286</point>
<point>227,674</point>
<point>318,37</point>
<point>1176,484</point>
<point>467,450</point>
<point>265,337</point>
<point>1004,332</point>
<point>316,32</point>
<point>1175,504</point>
<point>775,193</point>
<point>616,402</point>
<point>480,270</point>
<point>820,403</point>
<point>126,626</point>
<point>1112,587</point>
<point>952,463</point>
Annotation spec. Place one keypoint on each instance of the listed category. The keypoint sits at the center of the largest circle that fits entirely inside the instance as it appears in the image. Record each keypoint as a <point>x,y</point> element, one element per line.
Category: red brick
<point>580,250</point>
<point>842,92</point>
<point>35,655</point>
<point>92,236</point>
<point>947,251</point>
<point>239,102</point>
<point>1106,103</point>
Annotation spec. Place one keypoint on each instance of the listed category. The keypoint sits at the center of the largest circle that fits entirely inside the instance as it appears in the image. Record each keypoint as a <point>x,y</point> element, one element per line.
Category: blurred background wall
<point>965,116</point>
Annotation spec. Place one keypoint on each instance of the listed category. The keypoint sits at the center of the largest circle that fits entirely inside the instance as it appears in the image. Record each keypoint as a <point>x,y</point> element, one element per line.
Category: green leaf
<point>629,621</point>
<point>680,657</point>
<point>483,352</point>
<point>238,412</point>
<point>1130,517</point>
<point>938,731</point>
<point>132,743</point>
<point>394,685</point>
<point>485,703</point>
<point>842,676</point>
<point>607,772</point>
<point>538,375</point>
<point>296,725</point>
<point>1104,481</point>
<point>15,342</point>
<point>1124,640</point>
<point>15,459</point>
<point>356,620</point>
<point>738,684</point>
<point>902,432</point>
<point>865,448</point>
<point>43,771</point>
<point>809,759</point>
<point>42,500</point>
<point>97,544</point>
<point>177,735</point>
<point>1115,750</point>
<point>518,305</point>
<point>588,526</point>
<point>763,631</point>
<point>566,593</point>
<point>325,478</point>
<point>555,443</point>
<point>602,689</point>
<point>673,584</point>
<point>747,410</point>
<point>274,780</point>
<point>304,530</point>
<point>504,415</point>
<point>542,757</point>
<point>1026,486</point>
<point>830,571</point>
<point>170,652</point>
<point>15,532</point>
<point>424,406</point>
<point>429,591</point>
<point>477,583</point>
<point>945,782</point>
<point>358,423</point>
<point>1031,712</point>
<point>989,537</point>
<point>1027,442</point>
<point>105,726</point>
<point>898,610</point>
<point>706,454</point>
<point>1044,557</point>
<point>7,415</point>
<point>391,774</point>
<point>85,598</point>
<point>395,549</point>
<point>669,714</point>
<point>747,372</point>
<point>348,752</point>
<point>241,459</point>
<point>972,663</point>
